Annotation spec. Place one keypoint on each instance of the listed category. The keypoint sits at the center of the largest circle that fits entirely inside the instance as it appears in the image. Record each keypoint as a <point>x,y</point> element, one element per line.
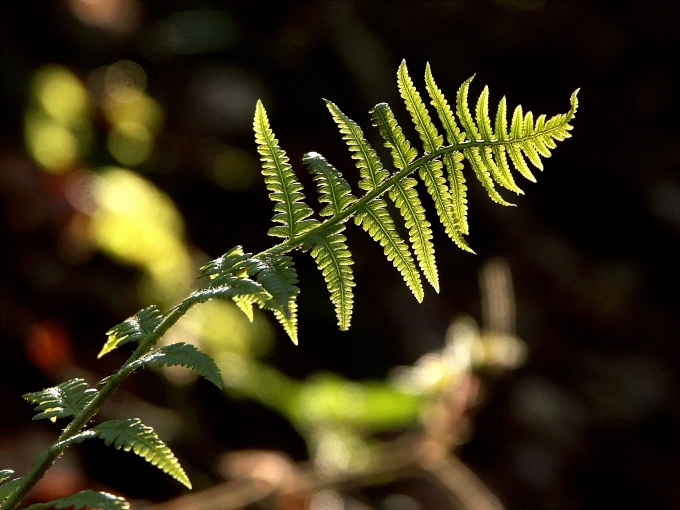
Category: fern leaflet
<point>61,401</point>
<point>334,189</point>
<point>85,499</point>
<point>284,188</point>
<point>185,355</point>
<point>332,256</point>
<point>9,486</point>
<point>133,329</point>
<point>133,435</point>
<point>277,274</point>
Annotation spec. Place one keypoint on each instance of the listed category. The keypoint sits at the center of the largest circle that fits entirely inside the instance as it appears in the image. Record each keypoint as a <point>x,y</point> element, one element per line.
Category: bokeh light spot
<point>60,93</point>
<point>130,143</point>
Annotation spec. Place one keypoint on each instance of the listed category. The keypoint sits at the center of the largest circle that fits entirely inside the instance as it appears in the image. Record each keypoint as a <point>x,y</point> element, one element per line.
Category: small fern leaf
<point>133,435</point>
<point>233,263</point>
<point>501,150</point>
<point>5,474</point>
<point>334,190</point>
<point>61,401</point>
<point>513,149</point>
<point>329,249</point>
<point>185,355</point>
<point>453,161</point>
<point>9,486</point>
<point>431,139</point>
<point>375,220</point>
<point>133,329</point>
<point>473,154</point>
<point>276,273</point>
<point>367,161</point>
<point>87,499</point>
<point>494,155</point>
<point>285,190</point>
<point>232,287</point>
<point>404,195</point>
<point>229,279</point>
<point>431,173</point>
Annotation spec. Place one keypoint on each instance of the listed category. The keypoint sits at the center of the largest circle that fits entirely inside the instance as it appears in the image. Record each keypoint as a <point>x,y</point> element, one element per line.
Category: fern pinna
<point>269,279</point>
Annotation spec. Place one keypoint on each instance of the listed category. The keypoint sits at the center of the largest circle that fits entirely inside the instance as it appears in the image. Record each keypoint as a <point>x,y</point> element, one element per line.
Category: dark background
<point>592,420</point>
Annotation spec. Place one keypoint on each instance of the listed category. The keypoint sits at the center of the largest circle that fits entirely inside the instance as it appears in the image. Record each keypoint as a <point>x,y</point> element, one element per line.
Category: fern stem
<point>42,463</point>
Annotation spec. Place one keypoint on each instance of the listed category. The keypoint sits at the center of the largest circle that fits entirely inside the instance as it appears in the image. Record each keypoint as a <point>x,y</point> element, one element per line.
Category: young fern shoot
<point>269,279</point>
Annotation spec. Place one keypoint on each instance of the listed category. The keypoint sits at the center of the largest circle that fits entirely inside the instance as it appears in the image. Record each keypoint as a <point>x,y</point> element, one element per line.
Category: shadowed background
<point>104,100</point>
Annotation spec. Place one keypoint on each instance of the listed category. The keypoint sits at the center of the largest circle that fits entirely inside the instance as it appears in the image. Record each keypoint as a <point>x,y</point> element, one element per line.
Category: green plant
<point>269,279</point>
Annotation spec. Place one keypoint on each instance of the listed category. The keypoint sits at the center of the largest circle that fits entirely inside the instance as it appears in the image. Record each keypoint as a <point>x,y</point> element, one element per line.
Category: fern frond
<point>431,173</point>
<point>333,258</point>
<point>291,210</point>
<point>493,149</point>
<point>133,435</point>
<point>373,216</point>
<point>133,329</point>
<point>185,355</point>
<point>85,499</point>
<point>61,401</point>
<point>404,195</point>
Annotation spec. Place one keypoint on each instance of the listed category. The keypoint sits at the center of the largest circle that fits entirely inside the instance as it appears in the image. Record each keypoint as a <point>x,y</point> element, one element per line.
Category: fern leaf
<point>228,278</point>
<point>431,139</point>
<point>367,161</point>
<point>133,329</point>
<point>431,173</point>
<point>500,151</point>
<point>493,155</point>
<point>9,486</point>
<point>373,216</point>
<point>375,220</point>
<point>185,355</point>
<point>233,263</point>
<point>473,154</point>
<point>277,275</point>
<point>85,499</point>
<point>334,190</point>
<point>285,190</point>
<point>133,435</point>
<point>453,161</point>
<point>513,149</point>
<point>332,256</point>
<point>61,401</point>
<point>5,474</point>
<point>404,195</point>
